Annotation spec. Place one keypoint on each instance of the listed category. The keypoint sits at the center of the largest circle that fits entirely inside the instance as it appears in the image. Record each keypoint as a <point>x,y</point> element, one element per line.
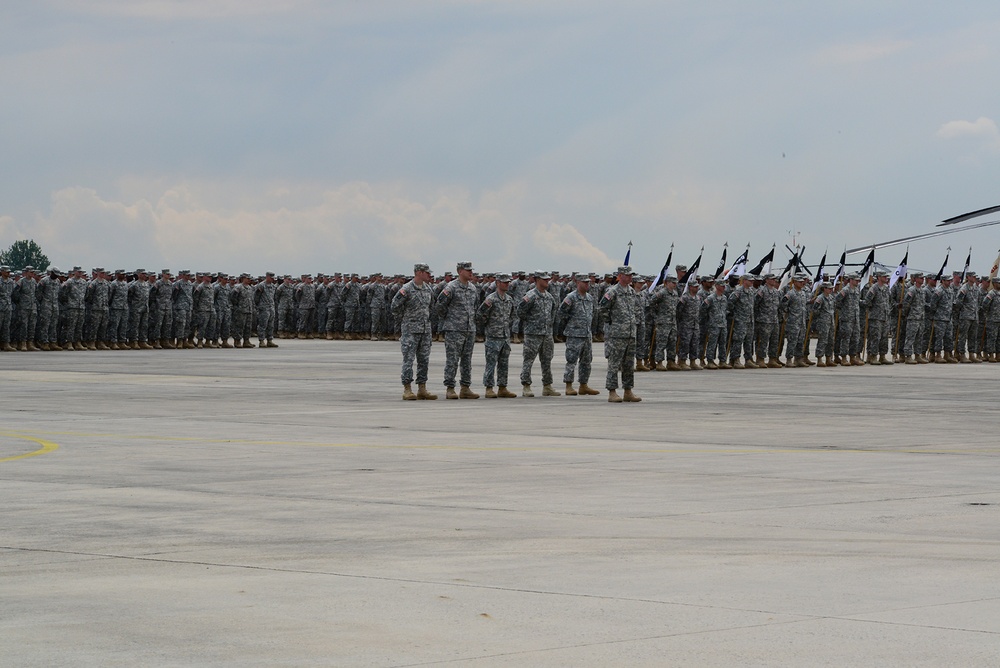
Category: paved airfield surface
<point>285,507</point>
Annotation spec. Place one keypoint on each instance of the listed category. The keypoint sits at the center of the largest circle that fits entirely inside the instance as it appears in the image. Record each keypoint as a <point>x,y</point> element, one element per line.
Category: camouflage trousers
<point>350,319</point>
<point>160,325</point>
<point>742,338</point>
<point>117,325</point>
<point>377,320</point>
<point>642,334</point>
<point>458,357</point>
<point>265,324</point>
<point>97,326</point>
<point>850,337</point>
<point>991,337</point>
<point>5,317</point>
<point>415,347</point>
<point>307,320</point>
<point>497,362</point>
<point>579,353</point>
<point>28,318</point>
<point>690,341</point>
<point>138,324</point>
<point>73,331</point>
<point>795,334</point>
<point>223,325</point>
<point>285,321</point>
<point>968,336</point>
<point>242,325</point>
<point>767,339</point>
<point>48,323</point>
<point>914,335</point>
<point>201,324</point>
<point>716,345</point>
<point>542,347</point>
<point>944,336</point>
<point>878,337</point>
<point>824,336</point>
<point>182,323</point>
<point>666,342</point>
<point>620,353</point>
<point>334,318</point>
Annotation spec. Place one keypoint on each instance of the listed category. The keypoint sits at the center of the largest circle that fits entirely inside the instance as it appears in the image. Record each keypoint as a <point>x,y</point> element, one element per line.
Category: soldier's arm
<point>566,306</point>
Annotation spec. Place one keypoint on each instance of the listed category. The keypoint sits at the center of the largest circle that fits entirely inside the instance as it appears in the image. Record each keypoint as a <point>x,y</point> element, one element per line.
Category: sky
<point>302,136</point>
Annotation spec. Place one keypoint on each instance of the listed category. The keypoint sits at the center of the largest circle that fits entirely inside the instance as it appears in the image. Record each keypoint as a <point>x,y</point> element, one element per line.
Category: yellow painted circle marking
<point>47,446</point>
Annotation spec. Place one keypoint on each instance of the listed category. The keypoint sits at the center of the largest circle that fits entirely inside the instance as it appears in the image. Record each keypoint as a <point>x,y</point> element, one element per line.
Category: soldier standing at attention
<point>48,311</point>
<point>495,314</point>
<point>242,300</point>
<point>578,310</point>
<point>688,315</point>
<point>741,300</point>
<point>848,314</point>
<point>967,302</point>
<point>457,308</point>
<point>766,318</point>
<point>794,305</point>
<point>913,310</point>
<point>73,292</point>
<point>285,308</point>
<point>620,308</point>
<point>536,311</point>
<point>412,306</point>
<point>223,311</point>
<point>663,307</point>
<point>713,311</point>
<point>991,315</point>
<point>878,306</point>
<point>183,298</point>
<point>98,300</point>
<point>264,301</point>
<point>6,308</point>
<point>27,308</point>
<point>823,308</point>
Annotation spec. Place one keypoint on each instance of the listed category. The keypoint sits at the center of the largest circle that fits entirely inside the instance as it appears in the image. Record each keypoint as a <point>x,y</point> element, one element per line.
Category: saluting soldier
<point>578,310</point>
<point>457,306</point>
<point>412,306</point>
<point>620,308</point>
<point>495,315</point>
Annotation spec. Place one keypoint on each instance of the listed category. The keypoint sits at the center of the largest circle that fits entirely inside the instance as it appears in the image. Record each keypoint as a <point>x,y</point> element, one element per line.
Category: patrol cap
<point>543,275</point>
<point>768,276</point>
<point>799,277</point>
<point>420,266</point>
<point>881,274</point>
<point>669,278</point>
<point>140,271</point>
<point>853,276</point>
<point>4,267</point>
<point>625,269</point>
<point>995,280</point>
<point>971,273</point>
<point>706,278</point>
<point>583,278</point>
<point>917,274</point>
<point>270,273</point>
<point>826,284</point>
<point>30,268</point>
<point>162,271</point>
<point>681,267</point>
<point>718,281</point>
<point>53,269</point>
<point>747,277</point>
<point>503,278</point>
<point>463,265</point>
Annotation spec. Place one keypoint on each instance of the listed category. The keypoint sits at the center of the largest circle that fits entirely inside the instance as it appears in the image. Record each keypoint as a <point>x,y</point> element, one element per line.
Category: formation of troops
<point>678,324</point>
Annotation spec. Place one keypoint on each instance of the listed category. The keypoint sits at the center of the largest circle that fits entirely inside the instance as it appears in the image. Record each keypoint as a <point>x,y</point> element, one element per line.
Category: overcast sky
<point>362,135</point>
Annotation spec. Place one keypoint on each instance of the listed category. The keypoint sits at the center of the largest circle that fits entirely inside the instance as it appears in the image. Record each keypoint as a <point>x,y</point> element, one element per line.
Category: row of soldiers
<point>744,322</point>
<point>56,310</point>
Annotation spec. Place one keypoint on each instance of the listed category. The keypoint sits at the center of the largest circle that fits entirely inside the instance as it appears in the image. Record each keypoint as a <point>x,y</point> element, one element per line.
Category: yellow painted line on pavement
<point>47,446</point>
<point>582,448</point>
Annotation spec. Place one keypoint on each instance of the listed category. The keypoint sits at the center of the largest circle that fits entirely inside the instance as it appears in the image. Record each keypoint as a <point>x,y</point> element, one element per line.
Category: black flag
<point>767,259</point>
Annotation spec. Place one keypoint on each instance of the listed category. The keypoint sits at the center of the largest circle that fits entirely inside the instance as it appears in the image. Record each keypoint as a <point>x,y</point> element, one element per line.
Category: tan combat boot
<point>711,365</point>
<point>737,364</point>
<point>696,365</point>
<point>800,363</point>
<point>672,365</point>
<point>750,364</point>
<point>570,392</point>
<point>872,360</point>
<point>587,390</point>
<point>450,393</point>
<point>885,360</point>
<point>490,394</point>
<point>774,364</point>
<point>422,393</point>
<point>547,391</point>
<point>613,397</point>
<point>526,391</point>
<point>408,394</point>
<point>857,361</point>
<point>504,393</point>
<point>640,366</point>
<point>630,396</point>
<point>660,366</point>
<point>820,363</point>
<point>467,393</point>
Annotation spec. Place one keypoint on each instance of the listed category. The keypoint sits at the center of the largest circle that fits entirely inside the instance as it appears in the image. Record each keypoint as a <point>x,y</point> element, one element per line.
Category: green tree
<point>24,253</point>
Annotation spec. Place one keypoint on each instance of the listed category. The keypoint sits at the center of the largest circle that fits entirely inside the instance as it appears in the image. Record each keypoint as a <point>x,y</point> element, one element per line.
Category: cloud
<point>354,226</point>
<point>184,9</point>
<point>862,52</point>
<point>983,129</point>
<point>565,241</point>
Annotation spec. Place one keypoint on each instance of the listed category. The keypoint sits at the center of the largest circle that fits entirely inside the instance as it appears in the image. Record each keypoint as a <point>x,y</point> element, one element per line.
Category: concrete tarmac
<point>286,508</point>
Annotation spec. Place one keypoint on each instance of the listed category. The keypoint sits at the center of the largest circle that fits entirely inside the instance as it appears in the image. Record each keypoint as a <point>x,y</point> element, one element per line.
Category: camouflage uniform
<point>352,301</point>
<point>7,286</point>
<point>496,315</point>
<point>241,298</point>
<point>578,311</point>
<point>794,306</point>
<point>412,305</point>
<point>138,311</point>
<point>714,309</point>
<point>98,300</point>
<point>285,306</point>
<point>118,311</point>
<point>742,301</point>
<point>457,308</point>
<point>376,308</point>
<point>305,297</point>
<point>848,316</point>
<point>688,315</point>
<point>620,310</point>
<point>223,311</point>
<point>183,298</point>
<point>967,302</point>
<point>536,310</point>
<point>877,303</point>
<point>663,306</point>
<point>162,322</point>
<point>766,304</point>
<point>991,315</point>
<point>48,310</point>
<point>823,309</point>
<point>914,306</point>
<point>27,308</point>
<point>203,311</point>
<point>263,296</point>
<point>942,301</point>
<point>72,293</point>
